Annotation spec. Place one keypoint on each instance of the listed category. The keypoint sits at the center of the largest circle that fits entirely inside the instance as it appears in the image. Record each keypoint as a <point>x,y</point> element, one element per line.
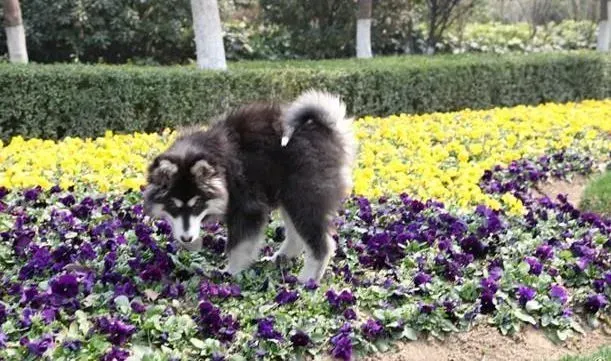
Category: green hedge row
<point>54,101</point>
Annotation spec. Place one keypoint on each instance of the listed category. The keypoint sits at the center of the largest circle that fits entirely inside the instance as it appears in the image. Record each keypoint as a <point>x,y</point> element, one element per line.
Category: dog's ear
<point>162,171</point>
<point>202,171</point>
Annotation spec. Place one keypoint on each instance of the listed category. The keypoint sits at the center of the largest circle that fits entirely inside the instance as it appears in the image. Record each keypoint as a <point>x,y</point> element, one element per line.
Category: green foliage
<point>520,37</point>
<point>113,31</point>
<point>604,354</point>
<point>160,32</point>
<point>317,28</point>
<point>59,100</point>
<point>597,195</point>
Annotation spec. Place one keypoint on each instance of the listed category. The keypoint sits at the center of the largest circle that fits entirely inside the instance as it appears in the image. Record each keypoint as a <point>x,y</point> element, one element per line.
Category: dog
<point>295,157</point>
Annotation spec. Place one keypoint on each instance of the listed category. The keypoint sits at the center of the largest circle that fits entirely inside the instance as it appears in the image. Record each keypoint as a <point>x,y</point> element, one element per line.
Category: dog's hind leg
<point>244,241</point>
<point>292,245</point>
<point>311,222</point>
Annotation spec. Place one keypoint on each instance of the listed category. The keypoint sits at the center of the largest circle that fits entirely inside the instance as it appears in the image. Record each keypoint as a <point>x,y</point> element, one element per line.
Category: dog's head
<point>185,190</point>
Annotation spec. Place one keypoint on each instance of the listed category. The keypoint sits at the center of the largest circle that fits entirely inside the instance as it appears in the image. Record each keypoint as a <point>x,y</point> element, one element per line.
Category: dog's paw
<point>276,258</point>
<point>308,280</point>
<point>231,271</point>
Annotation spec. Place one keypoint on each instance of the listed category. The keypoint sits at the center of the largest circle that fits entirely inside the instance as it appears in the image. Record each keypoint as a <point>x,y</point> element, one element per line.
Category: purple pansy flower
<point>300,339</point>
<point>285,296</point>
<point>65,286</point>
<point>72,345</point>
<point>265,329</point>
<point>342,343</point>
<point>349,314</point>
<point>372,329</point>
<point>535,267</point>
<point>597,302</point>
<point>544,252</point>
<point>310,285</point>
<point>422,278</point>
<point>39,346</point>
<point>559,293</point>
<point>116,354</point>
<point>525,294</point>
<point>117,331</point>
<point>32,194</point>
<point>344,298</point>
<point>138,307</point>
<point>3,339</point>
<point>487,302</point>
<point>599,285</point>
<point>426,308</point>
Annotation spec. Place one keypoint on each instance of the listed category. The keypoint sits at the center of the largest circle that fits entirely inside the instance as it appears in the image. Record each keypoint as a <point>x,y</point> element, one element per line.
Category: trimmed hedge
<point>53,101</point>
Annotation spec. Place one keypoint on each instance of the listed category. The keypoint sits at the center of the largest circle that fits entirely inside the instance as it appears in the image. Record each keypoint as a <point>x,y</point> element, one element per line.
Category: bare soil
<point>573,189</point>
<point>486,343</point>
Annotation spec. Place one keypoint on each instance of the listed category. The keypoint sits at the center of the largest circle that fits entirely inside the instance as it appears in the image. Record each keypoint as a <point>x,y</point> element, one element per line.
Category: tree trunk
<point>431,41</point>
<point>363,30</point>
<point>604,26</point>
<point>15,33</point>
<point>208,35</point>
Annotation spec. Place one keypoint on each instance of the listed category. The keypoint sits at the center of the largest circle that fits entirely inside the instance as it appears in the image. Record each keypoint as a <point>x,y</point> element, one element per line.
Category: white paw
<point>233,270</point>
<point>271,258</point>
<point>305,277</point>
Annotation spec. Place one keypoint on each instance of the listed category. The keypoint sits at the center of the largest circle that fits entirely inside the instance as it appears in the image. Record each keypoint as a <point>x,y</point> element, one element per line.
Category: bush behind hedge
<point>54,101</point>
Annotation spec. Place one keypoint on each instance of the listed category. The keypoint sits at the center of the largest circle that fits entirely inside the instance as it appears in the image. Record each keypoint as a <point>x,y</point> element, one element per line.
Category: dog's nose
<point>186,239</point>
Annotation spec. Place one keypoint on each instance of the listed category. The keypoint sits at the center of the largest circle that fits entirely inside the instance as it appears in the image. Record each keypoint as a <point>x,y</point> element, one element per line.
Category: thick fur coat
<point>297,157</point>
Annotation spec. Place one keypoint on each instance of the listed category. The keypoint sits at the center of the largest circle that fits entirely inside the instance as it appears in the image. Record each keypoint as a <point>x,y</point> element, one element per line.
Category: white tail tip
<point>284,141</point>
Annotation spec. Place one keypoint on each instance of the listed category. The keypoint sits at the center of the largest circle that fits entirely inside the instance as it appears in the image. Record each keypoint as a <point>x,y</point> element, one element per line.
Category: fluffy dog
<point>297,157</point>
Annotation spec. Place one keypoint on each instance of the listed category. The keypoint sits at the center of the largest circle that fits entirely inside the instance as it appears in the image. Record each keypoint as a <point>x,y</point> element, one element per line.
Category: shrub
<point>505,38</point>
<point>59,100</point>
<point>597,195</point>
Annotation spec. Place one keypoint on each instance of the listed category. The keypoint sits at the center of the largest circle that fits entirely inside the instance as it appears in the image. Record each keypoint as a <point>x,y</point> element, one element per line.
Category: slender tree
<point>604,26</point>
<point>363,30</point>
<point>15,33</point>
<point>441,15</point>
<point>208,35</point>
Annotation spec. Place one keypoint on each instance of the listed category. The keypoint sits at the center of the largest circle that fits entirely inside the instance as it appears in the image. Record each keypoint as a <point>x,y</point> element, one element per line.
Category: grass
<point>597,195</point>
<point>604,354</point>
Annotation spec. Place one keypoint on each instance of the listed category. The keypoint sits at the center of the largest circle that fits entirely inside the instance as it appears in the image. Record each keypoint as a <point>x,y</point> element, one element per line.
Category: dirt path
<point>573,190</point>
<point>485,343</point>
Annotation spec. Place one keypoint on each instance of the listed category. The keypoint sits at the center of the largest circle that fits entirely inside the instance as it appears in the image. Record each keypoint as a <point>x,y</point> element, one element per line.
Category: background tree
<point>314,28</point>
<point>15,32</point>
<point>208,35</point>
<point>441,15</point>
<point>604,26</point>
<point>363,30</point>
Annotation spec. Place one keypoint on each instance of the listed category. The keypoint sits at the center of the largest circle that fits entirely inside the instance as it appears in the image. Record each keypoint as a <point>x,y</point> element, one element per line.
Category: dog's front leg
<point>245,240</point>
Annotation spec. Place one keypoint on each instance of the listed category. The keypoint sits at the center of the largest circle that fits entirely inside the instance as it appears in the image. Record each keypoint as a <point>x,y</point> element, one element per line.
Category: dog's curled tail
<point>321,107</point>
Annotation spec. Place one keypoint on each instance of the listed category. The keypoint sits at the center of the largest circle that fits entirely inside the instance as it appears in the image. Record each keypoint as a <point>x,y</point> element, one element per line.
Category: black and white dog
<point>297,157</point>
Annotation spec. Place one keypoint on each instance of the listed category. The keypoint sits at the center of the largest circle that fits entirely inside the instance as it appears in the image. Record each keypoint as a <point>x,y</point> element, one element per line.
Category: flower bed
<point>85,275</point>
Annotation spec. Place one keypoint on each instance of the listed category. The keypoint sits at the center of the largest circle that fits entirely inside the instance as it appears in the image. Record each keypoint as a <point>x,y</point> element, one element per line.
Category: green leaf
<point>448,326</point>
<point>122,304</point>
<point>83,324</point>
<point>546,320</point>
<point>522,316</point>
<point>564,334</point>
<point>532,305</point>
<point>198,343</point>
<point>382,345</point>
<point>237,358</point>
<point>577,327</point>
<point>409,333</point>
<point>523,268</point>
<point>266,308</point>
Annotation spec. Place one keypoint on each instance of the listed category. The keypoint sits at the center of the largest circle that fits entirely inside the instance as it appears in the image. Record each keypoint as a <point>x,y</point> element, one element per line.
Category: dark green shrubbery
<point>60,100</point>
<point>160,32</point>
